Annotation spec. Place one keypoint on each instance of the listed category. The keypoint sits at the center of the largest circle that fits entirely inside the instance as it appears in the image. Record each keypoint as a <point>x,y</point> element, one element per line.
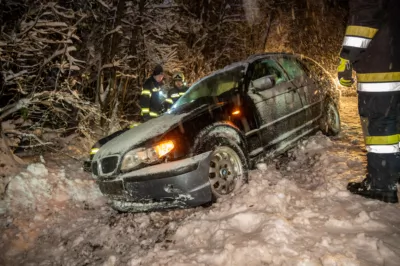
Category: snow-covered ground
<point>295,211</point>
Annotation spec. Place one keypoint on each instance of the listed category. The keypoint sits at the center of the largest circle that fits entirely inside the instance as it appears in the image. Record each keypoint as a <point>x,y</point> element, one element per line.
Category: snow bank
<point>39,188</point>
<point>301,215</point>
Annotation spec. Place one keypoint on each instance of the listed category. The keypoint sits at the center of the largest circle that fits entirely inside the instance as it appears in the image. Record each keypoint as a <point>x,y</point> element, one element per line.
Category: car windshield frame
<point>212,86</point>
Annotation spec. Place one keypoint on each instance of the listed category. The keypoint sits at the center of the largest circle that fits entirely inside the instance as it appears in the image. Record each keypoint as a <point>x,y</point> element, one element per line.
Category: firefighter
<point>151,97</point>
<point>178,89</point>
<point>371,48</point>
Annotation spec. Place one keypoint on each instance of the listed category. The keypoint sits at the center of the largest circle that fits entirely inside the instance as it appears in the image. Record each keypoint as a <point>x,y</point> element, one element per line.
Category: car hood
<point>140,134</point>
<point>149,130</point>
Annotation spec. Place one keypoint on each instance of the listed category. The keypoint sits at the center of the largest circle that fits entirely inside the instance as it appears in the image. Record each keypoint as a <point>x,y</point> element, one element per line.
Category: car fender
<point>223,128</point>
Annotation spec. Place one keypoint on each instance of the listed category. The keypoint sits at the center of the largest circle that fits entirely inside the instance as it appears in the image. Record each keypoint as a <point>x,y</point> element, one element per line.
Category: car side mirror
<point>264,83</point>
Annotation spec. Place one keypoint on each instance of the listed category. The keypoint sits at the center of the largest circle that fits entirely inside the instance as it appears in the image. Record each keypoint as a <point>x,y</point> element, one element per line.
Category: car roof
<point>253,58</point>
<point>244,63</point>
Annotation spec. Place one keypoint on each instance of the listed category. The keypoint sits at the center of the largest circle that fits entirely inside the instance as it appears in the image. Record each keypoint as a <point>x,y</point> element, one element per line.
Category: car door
<point>277,107</point>
<point>311,96</point>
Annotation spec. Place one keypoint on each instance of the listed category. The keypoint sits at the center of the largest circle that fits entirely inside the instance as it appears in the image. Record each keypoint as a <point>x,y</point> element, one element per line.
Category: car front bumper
<point>177,184</point>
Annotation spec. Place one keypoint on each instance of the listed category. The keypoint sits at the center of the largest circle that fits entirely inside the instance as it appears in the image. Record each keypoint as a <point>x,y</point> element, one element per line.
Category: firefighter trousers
<point>380,120</point>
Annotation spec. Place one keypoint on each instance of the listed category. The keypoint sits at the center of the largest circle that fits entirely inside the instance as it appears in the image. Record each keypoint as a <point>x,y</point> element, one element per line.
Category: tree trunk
<point>268,28</point>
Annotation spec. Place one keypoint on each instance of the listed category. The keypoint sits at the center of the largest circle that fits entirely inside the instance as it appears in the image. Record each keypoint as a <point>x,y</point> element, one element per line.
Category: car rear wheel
<point>228,169</point>
<point>330,122</point>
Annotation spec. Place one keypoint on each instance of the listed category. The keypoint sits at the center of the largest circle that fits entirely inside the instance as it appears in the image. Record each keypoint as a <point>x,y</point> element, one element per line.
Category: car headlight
<point>150,155</point>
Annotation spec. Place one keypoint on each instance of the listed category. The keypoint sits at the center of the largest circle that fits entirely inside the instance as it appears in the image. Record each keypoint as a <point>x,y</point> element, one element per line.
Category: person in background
<point>372,48</point>
<point>178,89</point>
<point>150,98</point>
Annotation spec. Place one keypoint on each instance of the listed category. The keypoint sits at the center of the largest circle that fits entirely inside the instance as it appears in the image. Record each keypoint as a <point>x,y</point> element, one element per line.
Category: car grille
<point>95,169</point>
<point>109,164</point>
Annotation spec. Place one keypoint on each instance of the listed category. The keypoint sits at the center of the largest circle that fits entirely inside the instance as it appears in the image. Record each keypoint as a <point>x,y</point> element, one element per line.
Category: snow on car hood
<point>140,134</point>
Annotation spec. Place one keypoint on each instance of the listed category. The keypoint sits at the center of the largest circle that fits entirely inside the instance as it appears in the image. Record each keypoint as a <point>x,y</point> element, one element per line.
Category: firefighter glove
<point>345,73</point>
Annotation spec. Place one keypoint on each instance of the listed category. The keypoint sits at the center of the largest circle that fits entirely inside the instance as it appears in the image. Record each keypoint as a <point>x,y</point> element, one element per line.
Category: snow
<point>37,169</point>
<point>299,213</point>
<point>279,220</point>
<point>38,189</point>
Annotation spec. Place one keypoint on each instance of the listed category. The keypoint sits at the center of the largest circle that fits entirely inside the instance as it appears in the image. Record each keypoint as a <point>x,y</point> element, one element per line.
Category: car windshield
<point>216,85</point>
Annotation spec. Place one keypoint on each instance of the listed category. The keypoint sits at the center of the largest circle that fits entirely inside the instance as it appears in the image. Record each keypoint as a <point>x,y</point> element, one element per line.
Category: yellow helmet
<point>178,76</point>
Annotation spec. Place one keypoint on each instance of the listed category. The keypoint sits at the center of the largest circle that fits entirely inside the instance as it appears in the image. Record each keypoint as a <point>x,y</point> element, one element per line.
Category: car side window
<point>292,67</point>
<point>267,68</point>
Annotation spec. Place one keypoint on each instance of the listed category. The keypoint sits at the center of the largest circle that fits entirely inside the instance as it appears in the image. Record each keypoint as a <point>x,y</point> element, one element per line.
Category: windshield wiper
<point>196,104</point>
<point>180,107</point>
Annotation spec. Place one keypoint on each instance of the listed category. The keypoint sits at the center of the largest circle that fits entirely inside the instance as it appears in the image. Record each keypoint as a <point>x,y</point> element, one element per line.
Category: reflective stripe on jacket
<point>175,93</point>
<point>150,100</point>
<point>372,42</point>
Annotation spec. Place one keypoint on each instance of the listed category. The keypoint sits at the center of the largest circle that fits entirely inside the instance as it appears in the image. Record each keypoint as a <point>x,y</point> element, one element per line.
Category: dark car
<point>96,147</point>
<point>203,148</point>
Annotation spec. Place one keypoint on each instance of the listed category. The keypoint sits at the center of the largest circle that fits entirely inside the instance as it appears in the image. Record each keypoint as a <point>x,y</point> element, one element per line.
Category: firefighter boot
<point>364,189</point>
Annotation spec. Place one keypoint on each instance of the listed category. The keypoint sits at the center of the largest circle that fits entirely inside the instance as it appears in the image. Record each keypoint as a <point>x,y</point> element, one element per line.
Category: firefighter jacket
<point>151,99</point>
<point>174,94</point>
<point>372,44</point>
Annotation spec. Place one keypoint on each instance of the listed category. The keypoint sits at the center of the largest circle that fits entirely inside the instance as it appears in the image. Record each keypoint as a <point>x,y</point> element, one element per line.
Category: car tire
<point>330,123</point>
<point>229,165</point>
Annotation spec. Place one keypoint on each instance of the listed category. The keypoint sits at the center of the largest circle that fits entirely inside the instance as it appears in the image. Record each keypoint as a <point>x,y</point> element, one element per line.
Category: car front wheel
<point>228,169</point>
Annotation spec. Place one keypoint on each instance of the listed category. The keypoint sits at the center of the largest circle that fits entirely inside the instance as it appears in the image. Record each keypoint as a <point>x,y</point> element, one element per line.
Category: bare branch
<point>103,4</point>
<point>22,103</point>
<point>29,135</point>
<point>58,53</point>
<point>13,76</point>
<point>117,29</point>
<point>33,145</point>
<point>61,13</point>
<point>30,26</point>
<point>5,144</point>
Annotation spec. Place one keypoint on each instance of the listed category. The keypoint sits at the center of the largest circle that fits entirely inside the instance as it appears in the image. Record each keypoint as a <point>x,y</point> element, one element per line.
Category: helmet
<point>178,76</point>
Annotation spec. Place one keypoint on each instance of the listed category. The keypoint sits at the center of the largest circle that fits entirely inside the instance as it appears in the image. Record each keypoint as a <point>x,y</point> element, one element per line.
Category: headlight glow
<point>164,148</point>
<point>150,155</point>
